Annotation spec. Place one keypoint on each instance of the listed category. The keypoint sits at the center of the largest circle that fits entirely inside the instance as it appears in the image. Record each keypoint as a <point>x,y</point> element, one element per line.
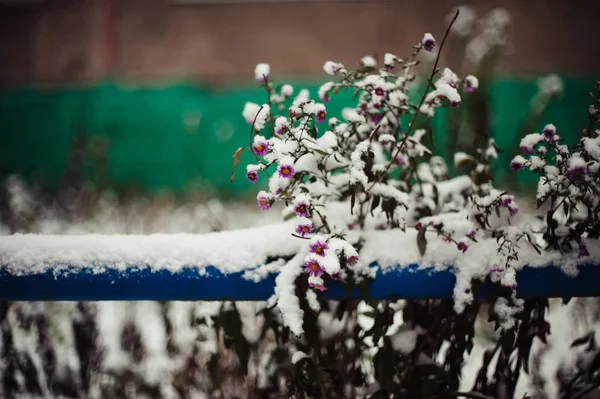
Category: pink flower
<point>260,148</point>
<point>583,252</point>
<point>302,209</point>
<point>527,149</point>
<point>304,229</point>
<point>336,276</point>
<point>317,286</point>
<point>252,176</point>
<point>313,267</point>
<point>549,132</point>
<point>462,246</point>
<point>320,114</point>
<point>286,171</point>
<point>506,201</point>
<point>319,247</point>
<point>379,91</point>
<point>516,165</point>
<point>428,42</point>
<point>264,201</point>
<point>352,260</point>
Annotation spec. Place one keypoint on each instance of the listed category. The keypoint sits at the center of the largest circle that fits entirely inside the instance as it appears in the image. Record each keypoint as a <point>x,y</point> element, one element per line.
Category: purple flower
<point>319,247</point>
<point>419,226</point>
<point>320,114</point>
<point>263,200</point>
<point>400,160</point>
<point>302,209</point>
<point>513,211</point>
<point>527,149</point>
<point>252,176</point>
<point>260,148</point>
<point>471,234</point>
<point>576,172</point>
<point>286,171</point>
<point>379,91</point>
<point>516,165</point>
<point>352,260</point>
<point>375,118</point>
<point>505,201</point>
<point>313,267</point>
<point>462,246</point>
<point>428,42</point>
<point>454,104</point>
<point>496,270</point>
<point>469,89</point>
<point>583,251</point>
<point>317,286</point>
<point>304,229</point>
<point>549,132</point>
<point>336,276</point>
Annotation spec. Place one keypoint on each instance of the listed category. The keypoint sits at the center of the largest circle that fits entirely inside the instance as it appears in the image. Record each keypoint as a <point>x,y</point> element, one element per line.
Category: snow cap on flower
<point>250,111</point>
<point>260,146</point>
<point>389,60</point>
<point>264,200</point>
<point>529,142</point>
<point>262,72</point>
<point>368,62</point>
<point>252,173</point>
<point>332,68</point>
<point>428,42</point>
<point>517,163</point>
<point>286,168</point>
<point>577,168</point>
<point>304,227</point>
<point>317,283</point>
<point>312,266</point>
<point>302,205</point>
<point>287,90</point>
<point>281,123</point>
<point>320,112</point>
<point>549,132</point>
<point>324,91</point>
<point>471,83</point>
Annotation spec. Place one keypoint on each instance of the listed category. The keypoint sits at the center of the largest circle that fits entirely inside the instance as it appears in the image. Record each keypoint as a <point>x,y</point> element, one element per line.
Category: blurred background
<point>121,116</point>
<point>146,95</point>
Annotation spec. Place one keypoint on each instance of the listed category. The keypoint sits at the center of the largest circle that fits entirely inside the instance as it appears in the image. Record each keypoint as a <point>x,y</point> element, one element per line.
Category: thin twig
<point>429,83</point>
<point>252,139</point>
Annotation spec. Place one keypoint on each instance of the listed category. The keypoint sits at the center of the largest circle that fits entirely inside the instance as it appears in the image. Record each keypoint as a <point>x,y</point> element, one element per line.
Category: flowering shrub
<point>345,180</point>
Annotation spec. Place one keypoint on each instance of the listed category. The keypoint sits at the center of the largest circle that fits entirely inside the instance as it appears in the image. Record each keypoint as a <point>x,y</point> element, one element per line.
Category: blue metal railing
<point>83,284</point>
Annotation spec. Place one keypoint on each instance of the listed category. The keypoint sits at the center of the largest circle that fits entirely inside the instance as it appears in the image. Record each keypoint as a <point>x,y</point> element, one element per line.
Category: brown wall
<point>66,41</point>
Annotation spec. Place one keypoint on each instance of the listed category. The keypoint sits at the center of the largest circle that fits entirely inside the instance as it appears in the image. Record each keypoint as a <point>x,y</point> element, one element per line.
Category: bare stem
<point>252,138</point>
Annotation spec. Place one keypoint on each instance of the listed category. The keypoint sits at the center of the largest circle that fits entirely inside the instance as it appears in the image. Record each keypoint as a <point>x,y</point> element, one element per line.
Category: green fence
<point>168,137</point>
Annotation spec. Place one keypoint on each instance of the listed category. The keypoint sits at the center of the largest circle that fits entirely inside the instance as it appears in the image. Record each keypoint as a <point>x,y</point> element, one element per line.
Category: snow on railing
<point>242,265</point>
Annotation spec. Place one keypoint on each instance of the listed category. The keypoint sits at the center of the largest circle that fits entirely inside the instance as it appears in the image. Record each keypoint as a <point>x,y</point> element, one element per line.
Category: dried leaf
<point>237,155</point>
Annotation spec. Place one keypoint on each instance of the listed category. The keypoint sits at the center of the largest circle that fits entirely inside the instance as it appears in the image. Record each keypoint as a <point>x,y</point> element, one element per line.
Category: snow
<point>231,251</point>
<point>368,61</point>
<point>262,72</point>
